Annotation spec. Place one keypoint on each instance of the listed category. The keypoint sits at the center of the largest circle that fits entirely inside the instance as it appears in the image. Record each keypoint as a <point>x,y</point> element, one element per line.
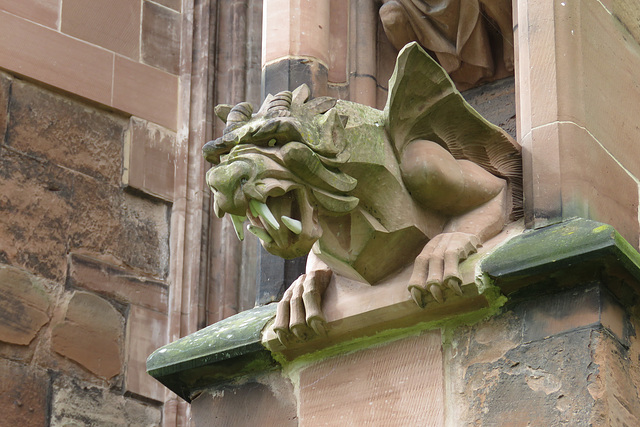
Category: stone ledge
<point>223,351</point>
<point>544,261</point>
<point>577,246</point>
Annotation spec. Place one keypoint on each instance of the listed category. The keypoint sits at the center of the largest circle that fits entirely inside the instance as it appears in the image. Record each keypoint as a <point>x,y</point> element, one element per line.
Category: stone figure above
<point>368,192</point>
<point>471,39</point>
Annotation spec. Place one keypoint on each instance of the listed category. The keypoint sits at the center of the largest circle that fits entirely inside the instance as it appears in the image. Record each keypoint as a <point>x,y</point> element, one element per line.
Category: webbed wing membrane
<point>423,103</point>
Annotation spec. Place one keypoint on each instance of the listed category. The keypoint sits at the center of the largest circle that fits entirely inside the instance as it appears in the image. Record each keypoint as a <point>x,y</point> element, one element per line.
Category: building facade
<point>109,249</point>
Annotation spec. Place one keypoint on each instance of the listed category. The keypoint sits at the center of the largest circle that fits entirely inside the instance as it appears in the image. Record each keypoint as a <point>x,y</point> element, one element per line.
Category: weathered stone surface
<point>51,210</point>
<point>270,402</point>
<point>91,335</point>
<point>24,395</point>
<point>496,379</point>
<point>108,221</point>
<point>35,199</point>
<point>67,133</point>
<point>77,404</point>
<point>161,37</point>
<point>428,176</point>
<point>5,87</point>
<point>614,384</point>
<point>151,159</point>
<point>398,384</point>
<point>24,306</point>
<point>556,360</point>
<point>146,332</point>
<point>115,282</point>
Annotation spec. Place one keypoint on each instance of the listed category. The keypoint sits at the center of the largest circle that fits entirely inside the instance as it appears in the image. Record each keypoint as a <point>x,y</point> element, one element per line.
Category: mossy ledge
<point>534,262</point>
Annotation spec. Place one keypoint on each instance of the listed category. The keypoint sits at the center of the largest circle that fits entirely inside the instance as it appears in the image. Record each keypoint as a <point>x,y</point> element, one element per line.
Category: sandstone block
<point>146,332</point>
<point>35,199</point>
<point>151,159</point>
<point>173,4</point>
<point>398,384</point>
<point>595,185</point>
<point>115,282</point>
<point>51,210</point>
<point>269,405</point>
<point>23,395</point>
<point>112,24</point>
<point>496,376</point>
<point>91,334</point>
<point>161,37</point>
<point>613,386</point>
<point>78,404</point>
<point>45,12</point>
<point>146,92</point>
<point>24,306</point>
<point>54,58</point>
<point>65,132</point>
<point>106,220</point>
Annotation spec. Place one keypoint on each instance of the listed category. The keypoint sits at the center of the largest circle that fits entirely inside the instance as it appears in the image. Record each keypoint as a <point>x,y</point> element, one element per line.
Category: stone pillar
<point>577,89</point>
<point>295,45</point>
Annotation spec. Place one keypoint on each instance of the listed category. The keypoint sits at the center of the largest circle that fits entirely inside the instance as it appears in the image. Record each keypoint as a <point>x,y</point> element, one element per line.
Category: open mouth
<point>286,224</point>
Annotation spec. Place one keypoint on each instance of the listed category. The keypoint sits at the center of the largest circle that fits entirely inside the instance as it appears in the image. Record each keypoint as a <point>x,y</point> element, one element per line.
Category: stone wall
<point>89,102</point>
<point>83,260</point>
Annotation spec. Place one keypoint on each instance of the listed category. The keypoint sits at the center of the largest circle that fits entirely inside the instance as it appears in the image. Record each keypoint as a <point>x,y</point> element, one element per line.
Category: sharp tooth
<point>216,208</point>
<point>263,211</point>
<point>237,225</point>
<point>259,233</point>
<point>292,224</point>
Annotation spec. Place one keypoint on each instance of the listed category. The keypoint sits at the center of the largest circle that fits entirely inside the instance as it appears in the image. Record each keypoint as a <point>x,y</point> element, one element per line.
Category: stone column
<point>295,45</point>
<point>577,88</point>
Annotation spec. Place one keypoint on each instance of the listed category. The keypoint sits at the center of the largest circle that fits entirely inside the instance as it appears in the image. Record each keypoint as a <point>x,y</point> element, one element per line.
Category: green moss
<point>292,368</point>
<point>230,338</point>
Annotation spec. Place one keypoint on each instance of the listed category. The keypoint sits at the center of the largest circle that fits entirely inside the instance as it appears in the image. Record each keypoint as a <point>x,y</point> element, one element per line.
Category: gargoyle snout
<point>226,181</point>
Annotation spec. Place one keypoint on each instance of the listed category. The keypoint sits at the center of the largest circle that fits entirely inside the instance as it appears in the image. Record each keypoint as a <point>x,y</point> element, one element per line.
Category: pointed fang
<point>237,225</point>
<point>259,233</point>
<point>292,224</point>
<point>216,208</point>
<point>263,211</point>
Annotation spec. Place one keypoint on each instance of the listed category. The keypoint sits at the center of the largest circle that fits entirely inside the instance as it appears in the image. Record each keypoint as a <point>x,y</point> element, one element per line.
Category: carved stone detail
<point>471,39</point>
<point>368,191</point>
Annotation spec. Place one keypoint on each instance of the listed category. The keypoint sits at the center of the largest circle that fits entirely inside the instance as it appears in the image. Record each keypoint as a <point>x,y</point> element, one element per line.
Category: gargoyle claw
<point>437,293</point>
<point>416,294</point>
<point>319,326</point>
<point>453,283</point>
<point>299,312</point>
<point>437,266</point>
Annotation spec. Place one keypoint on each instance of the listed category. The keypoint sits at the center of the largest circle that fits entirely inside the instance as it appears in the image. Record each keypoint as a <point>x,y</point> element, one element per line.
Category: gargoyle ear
<point>301,94</point>
<point>222,111</point>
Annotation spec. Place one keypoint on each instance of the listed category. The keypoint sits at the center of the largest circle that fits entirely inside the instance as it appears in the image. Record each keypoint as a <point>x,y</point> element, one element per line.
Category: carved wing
<point>423,103</point>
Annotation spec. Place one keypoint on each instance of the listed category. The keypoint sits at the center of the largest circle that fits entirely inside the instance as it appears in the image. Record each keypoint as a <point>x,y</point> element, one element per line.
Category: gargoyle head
<point>278,169</point>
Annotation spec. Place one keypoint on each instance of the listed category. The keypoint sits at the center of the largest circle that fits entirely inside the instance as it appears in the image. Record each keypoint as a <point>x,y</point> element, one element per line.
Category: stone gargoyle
<point>426,181</point>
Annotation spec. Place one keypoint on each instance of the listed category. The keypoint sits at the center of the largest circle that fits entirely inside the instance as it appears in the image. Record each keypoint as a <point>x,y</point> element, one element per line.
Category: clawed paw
<point>437,266</point>
<point>299,314</point>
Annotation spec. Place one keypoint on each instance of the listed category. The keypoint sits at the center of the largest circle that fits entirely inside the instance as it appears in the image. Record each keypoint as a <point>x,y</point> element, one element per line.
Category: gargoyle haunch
<point>368,192</point>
